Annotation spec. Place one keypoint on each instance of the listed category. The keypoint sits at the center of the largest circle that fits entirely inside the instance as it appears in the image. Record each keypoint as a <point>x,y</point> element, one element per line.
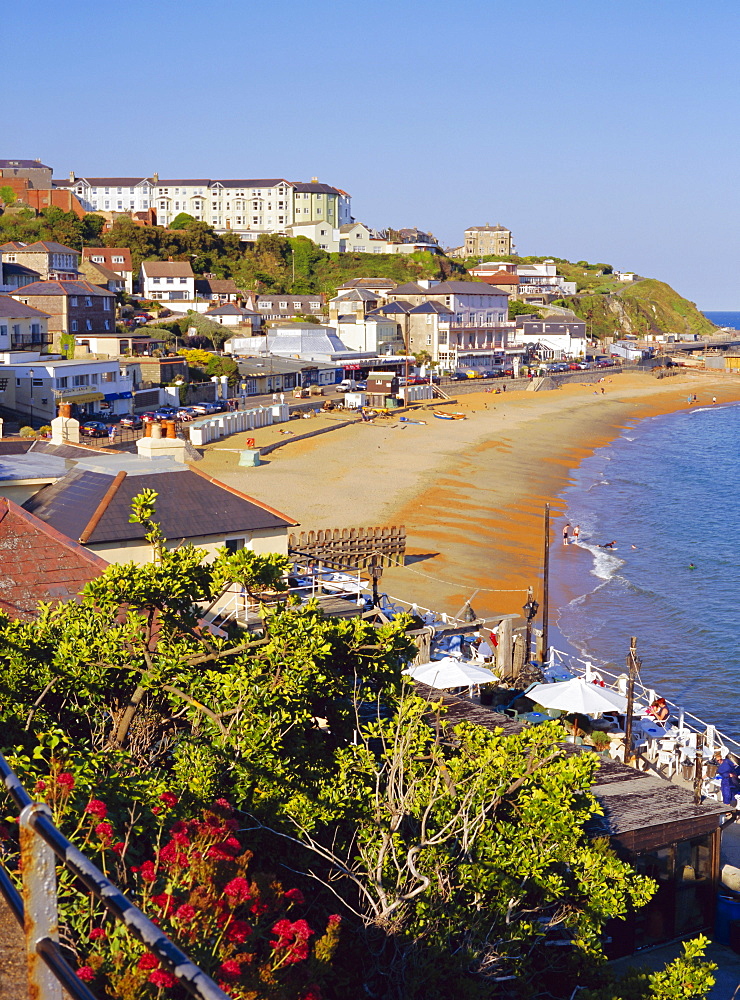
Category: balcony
<point>20,341</point>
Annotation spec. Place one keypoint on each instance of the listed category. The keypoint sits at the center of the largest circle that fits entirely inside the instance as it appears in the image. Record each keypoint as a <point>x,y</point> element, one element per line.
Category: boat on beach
<point>448,416</point>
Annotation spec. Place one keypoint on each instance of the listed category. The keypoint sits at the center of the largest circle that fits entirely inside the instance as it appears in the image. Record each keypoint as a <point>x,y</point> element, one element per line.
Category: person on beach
<point>730,779</point>
<point>576,533</point>
<point>566,529</point>
<point>714,399</point>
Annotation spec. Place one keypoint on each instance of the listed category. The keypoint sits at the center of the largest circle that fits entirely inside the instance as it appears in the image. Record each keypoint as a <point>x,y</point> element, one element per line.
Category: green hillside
<point>645,307</point>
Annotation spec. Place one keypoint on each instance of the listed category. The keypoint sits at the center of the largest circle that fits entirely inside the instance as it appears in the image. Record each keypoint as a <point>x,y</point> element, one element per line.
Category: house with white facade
<point>356,237</point>
<point>323,234</point>
<point>167,280</point>
<point>540,283</point>
<point>40,385</point>
<point>370,334</point>
<point>110,194</point>
<point>560,336</point>
<point>248,207</point>
<point>459,323</point>
<point>22,327</point>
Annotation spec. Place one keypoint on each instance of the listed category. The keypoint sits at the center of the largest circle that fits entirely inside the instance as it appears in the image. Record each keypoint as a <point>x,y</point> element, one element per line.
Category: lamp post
<point>530,610</point>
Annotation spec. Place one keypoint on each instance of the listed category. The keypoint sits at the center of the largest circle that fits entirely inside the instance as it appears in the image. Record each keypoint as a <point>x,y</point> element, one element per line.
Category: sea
<point>667,492</point>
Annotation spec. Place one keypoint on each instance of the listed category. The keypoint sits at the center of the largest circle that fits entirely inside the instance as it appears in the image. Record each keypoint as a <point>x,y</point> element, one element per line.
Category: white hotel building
<point>246,207</point>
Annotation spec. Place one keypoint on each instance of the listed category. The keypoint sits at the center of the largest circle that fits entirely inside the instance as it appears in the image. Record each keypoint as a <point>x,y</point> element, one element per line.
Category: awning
<point>81,396</point>
<point>110,396</point>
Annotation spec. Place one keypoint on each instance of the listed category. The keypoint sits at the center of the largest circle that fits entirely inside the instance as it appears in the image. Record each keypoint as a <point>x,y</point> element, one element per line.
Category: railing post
<point>39,903</point>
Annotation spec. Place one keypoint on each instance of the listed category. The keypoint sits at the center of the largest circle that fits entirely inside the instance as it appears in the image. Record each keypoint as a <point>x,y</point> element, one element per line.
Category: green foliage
<point>687,976</point>
<point>517,308</point>
<point>204,364</point>
<point>7,195</point>
<point>183,221</point>
<point>52,224</point>
<point>27,432</point>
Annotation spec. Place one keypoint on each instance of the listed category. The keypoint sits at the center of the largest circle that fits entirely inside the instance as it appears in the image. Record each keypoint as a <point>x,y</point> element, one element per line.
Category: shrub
<point>27,432</point>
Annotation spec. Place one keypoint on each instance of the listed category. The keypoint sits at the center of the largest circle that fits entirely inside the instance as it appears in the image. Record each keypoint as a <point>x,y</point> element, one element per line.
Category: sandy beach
<point>471,492</point>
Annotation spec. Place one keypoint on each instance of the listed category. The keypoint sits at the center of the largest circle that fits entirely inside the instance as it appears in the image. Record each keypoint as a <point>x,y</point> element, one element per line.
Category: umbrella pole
<point>632,663</point>
<point>546,585</point>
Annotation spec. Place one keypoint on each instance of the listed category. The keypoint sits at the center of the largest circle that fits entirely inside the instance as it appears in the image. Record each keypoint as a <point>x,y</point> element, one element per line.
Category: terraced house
<point>76,308</point>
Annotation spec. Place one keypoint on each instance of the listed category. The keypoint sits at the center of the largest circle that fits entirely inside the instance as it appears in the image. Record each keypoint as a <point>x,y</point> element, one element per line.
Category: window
<point>97,259</point>
<point>131,191</point>
<point>296,305</point>
<point>35,328</point>
<point>117,260</point>
<point>183,281</point>
<point>37,383</point>
<point>73,300</point>
<point>120,204</point>
<point>94,379</point>
<point>79,380</point>
<point>108,377</point>
<point>106,324</point>
<point>283,305</point>
<point>106,304</point>
<point>107,204</point>
<point>88,324</point>
<point>234,544</point>
<point>88,300</point>
<point>119,190</point>
<point>62,382</point>
<point>155,281</point>
<point>74,326</point>
<point>170,281</point>
<point>107,191</point>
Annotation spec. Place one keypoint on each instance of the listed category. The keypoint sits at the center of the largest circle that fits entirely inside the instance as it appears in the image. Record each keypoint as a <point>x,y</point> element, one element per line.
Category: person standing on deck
<point>566,529</point>
<point>728,772</point>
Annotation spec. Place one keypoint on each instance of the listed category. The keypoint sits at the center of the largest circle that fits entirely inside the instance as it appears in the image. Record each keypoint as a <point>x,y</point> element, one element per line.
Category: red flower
<point>40,786</point>
<point>148,961</point>
<point>225,850</point>
<point>85,973</point>
<point>238,932</point>
<point>104,831</point>
<point>238,888</point>
<point>66,780</point>
<point>98,934</point>
<point>156,810</point>
<point>119,847</point>
<point>169,799</point>
<point>147,871</point>
<point>97,808</point>
<point>224,804</point>
<point>161,978</point>
<point>314,993</point>
<point>164,901</point>
<point>292,939</point>
<point>295,896</point>
<point>186,912</point>
<point>230,969</point>
<point>334,920</point>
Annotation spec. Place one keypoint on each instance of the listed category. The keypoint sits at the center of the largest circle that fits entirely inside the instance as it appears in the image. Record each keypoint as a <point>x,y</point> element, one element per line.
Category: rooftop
<point>189,503</point>
<point>45,246</point>
<point>167,268</point>
<point>39,563</point>
<point>11,309</point>
<point>61,288</point>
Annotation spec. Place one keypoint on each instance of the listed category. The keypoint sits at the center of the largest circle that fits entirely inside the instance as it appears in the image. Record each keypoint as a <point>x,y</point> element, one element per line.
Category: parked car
<point>458,377</point>
<point>94,429</point>
<point>346,385</point>
<point>605,364</point>
<point>361,386</point>
<point>132,421</point>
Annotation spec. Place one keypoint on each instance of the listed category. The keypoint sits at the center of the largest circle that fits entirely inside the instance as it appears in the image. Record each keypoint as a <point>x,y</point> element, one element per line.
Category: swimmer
<point>608,545</point>
<point>691,566</point>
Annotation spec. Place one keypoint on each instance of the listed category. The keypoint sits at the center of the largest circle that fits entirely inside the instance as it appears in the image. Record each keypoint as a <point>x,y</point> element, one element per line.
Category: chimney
<point>64,429</point>
<point>166,445</point>
<point>72,177</point>
<point>155,178</point>
<point>314,180</point>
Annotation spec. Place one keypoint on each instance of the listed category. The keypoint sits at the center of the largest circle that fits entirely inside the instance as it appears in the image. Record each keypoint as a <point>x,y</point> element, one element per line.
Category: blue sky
<point>604,132</point>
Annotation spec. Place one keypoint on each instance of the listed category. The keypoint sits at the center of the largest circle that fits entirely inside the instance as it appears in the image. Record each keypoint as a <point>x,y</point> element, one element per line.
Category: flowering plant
<point>242,927</point>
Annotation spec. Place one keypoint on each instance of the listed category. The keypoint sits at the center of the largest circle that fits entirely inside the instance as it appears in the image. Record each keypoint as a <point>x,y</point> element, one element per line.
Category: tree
<point>7,195</point>
<point>183,221</point>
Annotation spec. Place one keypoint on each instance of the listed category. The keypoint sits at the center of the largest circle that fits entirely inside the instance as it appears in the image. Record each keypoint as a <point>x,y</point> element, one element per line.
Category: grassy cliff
<point>645,307</point>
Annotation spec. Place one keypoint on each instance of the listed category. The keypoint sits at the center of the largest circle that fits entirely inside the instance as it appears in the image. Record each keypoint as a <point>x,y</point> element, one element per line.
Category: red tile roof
<point>499,278</point>
<point>108,253</point>
<point>39,563</point>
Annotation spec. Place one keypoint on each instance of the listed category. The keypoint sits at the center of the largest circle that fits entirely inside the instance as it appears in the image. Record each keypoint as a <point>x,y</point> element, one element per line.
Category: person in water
<point>609,545</point>
<point>691,566</point>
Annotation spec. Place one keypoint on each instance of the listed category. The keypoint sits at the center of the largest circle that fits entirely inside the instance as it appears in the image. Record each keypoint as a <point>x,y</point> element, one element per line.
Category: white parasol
<point>450,673</point>
<point>577,695</point>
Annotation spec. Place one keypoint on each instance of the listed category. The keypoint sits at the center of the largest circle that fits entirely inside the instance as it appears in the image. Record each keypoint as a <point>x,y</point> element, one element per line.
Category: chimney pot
<point>72,176</point>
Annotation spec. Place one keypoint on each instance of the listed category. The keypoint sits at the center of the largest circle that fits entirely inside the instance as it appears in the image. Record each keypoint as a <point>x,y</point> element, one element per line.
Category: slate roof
<point>221,286</point>
<point>61,288</point>
<point>370,283</point>
<point>410,288</point>
<point>193,182</point>
<point>486,229</point>
<point>105,272</point>
<point>46,246</point>
<point>230,309</point>
<point>128,182</point>
<point>357,295</point>
<point>26,164</point>
<point>167,268</point>
<point>399,306</point>
<point>39,563</point>
<point>13,245</point>
<point>432,307</point>
<point>315,188</point>
<point>189,503</point>
<point>10,309</point>
<point>269,182</point>
<point>461,288</point>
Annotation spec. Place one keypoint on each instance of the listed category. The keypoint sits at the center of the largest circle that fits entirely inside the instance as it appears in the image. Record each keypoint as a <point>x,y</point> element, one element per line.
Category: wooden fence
<point>360,547</point>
